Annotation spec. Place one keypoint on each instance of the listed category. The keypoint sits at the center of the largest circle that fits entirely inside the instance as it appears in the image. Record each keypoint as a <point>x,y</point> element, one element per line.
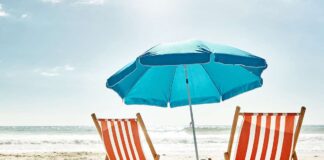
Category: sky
<point>56,55</point>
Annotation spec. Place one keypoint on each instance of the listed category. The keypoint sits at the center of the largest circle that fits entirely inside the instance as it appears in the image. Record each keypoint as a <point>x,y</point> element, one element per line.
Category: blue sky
<point>55,55</point>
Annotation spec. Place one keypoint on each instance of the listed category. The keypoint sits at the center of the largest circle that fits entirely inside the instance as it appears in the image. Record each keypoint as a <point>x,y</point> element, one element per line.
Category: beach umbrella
<point>186,73</point>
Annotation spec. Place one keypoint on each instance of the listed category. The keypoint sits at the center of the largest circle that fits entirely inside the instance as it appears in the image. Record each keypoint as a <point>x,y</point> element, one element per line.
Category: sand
<point>100,156</point>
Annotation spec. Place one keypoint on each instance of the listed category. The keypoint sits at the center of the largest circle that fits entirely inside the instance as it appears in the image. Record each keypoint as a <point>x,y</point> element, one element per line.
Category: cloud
<point>23,16</point>
<point>55,71</point>
<point>90,2</point>
<point>84,2</point>
<point>69,68</point>
<point>3,13</point>
<point>52,1</point>
<point>49,74</point>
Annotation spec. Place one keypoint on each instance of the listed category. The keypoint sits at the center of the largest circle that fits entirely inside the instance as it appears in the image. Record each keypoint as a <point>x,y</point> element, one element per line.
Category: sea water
<point>168,140</point>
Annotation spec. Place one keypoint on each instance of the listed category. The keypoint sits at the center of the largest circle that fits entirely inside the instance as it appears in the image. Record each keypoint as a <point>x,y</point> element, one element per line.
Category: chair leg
<point>157,157</point>
<point>106,158</point>
<point>226,157</point>
<point>294,156</point>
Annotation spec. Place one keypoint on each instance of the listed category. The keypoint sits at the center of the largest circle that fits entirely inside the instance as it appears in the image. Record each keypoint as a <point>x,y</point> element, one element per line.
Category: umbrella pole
<point>191,113</point>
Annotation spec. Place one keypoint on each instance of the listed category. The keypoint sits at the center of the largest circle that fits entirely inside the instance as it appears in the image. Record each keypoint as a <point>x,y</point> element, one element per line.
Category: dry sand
<point>100,156</point>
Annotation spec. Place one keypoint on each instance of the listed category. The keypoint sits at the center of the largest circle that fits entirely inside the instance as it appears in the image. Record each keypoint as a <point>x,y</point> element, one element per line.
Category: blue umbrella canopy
<point>215,72</point>
<point>186,73</point>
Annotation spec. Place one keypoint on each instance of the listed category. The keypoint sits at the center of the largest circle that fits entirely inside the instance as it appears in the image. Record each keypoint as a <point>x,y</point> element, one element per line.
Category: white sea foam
<point>170,140</point>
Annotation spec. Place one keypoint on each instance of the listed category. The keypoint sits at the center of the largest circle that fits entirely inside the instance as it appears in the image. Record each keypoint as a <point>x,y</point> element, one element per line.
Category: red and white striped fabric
<point>266,137</point>
<point>121,139</point>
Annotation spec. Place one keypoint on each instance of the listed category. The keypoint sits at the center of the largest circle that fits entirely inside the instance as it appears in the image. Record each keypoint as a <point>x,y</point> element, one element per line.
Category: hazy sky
<point>55,55</point>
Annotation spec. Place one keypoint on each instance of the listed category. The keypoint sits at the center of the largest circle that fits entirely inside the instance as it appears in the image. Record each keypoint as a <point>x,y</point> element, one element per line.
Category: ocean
<point>168,140</point>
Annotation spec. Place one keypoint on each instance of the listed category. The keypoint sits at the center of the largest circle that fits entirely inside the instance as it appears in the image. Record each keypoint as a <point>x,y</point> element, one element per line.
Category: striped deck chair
<point>265,136</point>
<point>121,138</point>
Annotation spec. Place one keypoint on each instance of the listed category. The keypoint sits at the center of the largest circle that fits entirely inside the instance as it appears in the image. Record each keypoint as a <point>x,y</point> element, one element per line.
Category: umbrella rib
<point>242,66</point>
<point>243,86</point>
<point>218,89</point>
<point>136,82</point>
<point>170,90</point>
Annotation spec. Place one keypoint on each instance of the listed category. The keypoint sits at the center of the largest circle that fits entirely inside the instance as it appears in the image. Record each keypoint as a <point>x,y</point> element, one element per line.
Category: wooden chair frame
<point>227,155</point>
<point>142,125</point>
